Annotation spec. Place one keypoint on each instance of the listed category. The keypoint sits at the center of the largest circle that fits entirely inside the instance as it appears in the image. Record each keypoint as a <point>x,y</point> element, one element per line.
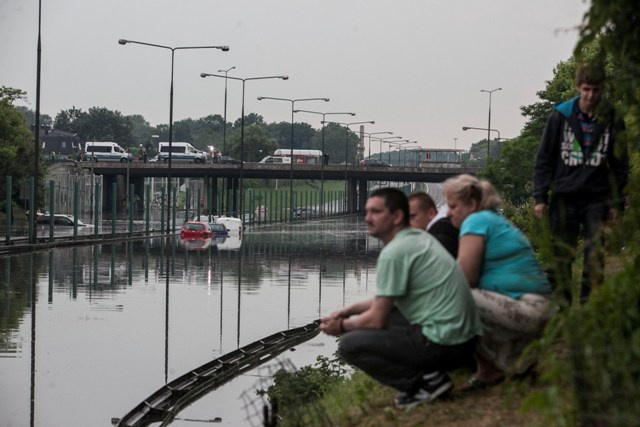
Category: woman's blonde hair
<point>466,188</point>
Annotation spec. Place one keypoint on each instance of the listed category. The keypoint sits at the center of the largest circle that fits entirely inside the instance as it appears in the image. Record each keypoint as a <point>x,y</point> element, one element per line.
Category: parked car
<point>228,160</point>
<point>374,162</point>
<point>59,220</point>
<point>196,229</point>
<point>195,243</point>
<point>305,213</point>
<point>218,229</point>
<point>261,213</point>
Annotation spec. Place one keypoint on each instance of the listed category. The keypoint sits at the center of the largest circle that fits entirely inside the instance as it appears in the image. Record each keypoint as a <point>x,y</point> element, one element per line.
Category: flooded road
<point>87,333</point>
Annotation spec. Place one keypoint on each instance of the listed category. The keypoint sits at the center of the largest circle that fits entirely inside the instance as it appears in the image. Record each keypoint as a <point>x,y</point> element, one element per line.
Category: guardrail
<point>164,404</point>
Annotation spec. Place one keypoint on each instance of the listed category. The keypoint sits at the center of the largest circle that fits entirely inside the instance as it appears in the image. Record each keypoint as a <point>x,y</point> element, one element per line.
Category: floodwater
<point>87,333</point>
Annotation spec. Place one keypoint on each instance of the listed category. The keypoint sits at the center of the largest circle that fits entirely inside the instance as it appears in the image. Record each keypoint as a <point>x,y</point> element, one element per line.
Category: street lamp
<point>224,130</point>
<point>323,153</point>
<point>381,140</point>
<point>374,133</point>
<point>489,125</point>
<point>293,102</point>
<point>393,142</point>
<point>465,128</point>
<point>243,80</point>
<point>346,157</point>
<point>173,51</point>
<point>400,144</point>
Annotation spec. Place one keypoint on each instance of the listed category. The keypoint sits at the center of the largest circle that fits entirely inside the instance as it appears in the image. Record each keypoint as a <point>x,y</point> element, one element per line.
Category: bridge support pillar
<point>138,190</point>
<point>352,196</point>
<point>107,183</point>
<point>214,196</point>
<point>363,193</point>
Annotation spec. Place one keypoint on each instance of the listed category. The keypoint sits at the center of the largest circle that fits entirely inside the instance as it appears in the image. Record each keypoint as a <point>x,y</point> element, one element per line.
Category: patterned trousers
<point>509,325</point>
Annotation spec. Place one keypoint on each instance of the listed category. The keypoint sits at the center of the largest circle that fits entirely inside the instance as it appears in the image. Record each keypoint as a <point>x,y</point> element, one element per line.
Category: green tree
<point>141,131</point>
<point>30,117</point>
<point>16,143</point>
<point>65,119</point>
<point>257,143</point>
<point>335,138</point>
<point>98,124</point>
<point>596,380</point>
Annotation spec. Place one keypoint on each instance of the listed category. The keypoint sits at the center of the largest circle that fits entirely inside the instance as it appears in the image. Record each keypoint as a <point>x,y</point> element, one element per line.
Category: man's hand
<point>541,210</point>
<point>331,325</point>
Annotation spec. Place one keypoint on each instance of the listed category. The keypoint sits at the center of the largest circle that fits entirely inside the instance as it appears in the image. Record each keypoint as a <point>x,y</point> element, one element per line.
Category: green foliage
<point>295,392</point>
<point>16,147</point>
<point>595,379</point>
<point>11,95</point>
<point>512,173</point>
<point>98,124</point>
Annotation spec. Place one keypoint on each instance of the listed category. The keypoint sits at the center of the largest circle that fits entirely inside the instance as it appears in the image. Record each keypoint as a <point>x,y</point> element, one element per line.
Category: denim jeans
<point>566,215</point>
<point>399,355</point>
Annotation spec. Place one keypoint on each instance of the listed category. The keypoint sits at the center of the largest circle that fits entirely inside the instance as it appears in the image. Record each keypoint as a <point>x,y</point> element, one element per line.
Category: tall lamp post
<point>369,135</point>
<point>489,125</point>
<point>384,140</point>
<point>293,102</point>
<point>243,80</point>
<point>323,153</point>
<point>346,157</point>
<point>400,144</point>
<point>173,51</point>
<point>224,129</point>
<point>393,142</point>
<point>466,128</point>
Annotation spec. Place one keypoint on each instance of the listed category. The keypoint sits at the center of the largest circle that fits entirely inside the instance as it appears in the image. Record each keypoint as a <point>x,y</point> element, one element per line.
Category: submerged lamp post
<point>244,81</point>
<point>224,129</point>
<point>173,51</point>
<point>323,153</point>
<point>293,102</point>
<point>346,156</point>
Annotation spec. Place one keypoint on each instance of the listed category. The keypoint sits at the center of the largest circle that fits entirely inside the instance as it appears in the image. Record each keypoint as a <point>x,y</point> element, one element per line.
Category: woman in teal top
<point>509,287</point>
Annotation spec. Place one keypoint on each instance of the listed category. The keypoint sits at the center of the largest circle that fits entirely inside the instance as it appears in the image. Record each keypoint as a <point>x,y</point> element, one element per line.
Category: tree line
<point>134,133</point>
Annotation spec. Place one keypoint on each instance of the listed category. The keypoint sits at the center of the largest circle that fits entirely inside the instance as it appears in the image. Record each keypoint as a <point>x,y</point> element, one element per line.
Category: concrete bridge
<point>357,177</point>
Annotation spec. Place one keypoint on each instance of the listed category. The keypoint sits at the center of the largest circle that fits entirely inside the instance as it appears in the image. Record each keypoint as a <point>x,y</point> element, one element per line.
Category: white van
<point>106,151</point>
<point>180,151</point>
<point>276,160</point>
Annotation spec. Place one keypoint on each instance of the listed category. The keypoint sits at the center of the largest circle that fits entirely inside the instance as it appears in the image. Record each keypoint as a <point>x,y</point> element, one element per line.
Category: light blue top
<point>510,266</point>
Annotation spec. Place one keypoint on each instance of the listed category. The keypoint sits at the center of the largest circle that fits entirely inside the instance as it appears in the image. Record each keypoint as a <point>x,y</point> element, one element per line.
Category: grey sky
<point>416,67</point>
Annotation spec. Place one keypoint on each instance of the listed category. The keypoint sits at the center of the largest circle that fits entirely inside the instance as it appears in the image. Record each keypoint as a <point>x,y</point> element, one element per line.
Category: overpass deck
<point>269,171</point>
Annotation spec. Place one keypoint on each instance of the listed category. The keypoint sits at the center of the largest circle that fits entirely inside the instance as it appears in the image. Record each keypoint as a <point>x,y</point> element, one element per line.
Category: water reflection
<point>119,320</point>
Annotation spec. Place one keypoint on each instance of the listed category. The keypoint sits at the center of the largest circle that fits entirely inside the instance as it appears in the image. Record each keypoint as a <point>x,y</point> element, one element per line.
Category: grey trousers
<point>399,355</point>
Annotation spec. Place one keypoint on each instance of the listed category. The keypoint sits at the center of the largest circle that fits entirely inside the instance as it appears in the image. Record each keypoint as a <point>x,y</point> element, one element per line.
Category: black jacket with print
<point>565,166</point>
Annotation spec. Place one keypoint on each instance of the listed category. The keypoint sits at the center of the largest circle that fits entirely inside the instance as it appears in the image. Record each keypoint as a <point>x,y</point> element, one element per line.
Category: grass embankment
<point>361,401</point>
<point>531,401</point>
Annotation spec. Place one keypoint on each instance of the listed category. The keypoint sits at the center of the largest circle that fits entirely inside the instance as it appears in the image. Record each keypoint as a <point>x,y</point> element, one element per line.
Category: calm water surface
<point>107,331</point>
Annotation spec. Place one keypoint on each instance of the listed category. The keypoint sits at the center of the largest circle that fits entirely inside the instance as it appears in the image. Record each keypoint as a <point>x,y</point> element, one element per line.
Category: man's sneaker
<point>433,387</point>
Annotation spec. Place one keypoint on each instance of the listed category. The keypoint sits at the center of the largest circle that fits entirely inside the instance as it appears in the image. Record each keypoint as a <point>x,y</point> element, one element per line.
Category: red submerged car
<point>196,229</point>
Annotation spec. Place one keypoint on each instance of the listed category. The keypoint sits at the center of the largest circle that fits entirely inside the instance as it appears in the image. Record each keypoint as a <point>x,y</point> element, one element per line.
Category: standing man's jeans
<point>566,215</point>
<point>399,355</point>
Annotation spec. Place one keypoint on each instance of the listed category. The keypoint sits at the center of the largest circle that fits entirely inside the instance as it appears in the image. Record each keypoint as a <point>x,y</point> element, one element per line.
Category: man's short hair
<point>590,74</point>
<point>425,201</point>
<point>394,199</point>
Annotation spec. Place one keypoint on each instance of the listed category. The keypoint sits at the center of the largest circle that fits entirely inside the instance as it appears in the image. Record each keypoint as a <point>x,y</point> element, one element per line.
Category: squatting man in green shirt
<point>421,323</point>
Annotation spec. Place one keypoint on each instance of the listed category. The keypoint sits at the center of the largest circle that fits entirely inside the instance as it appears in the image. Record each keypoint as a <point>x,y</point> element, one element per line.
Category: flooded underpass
<point>87,333</point>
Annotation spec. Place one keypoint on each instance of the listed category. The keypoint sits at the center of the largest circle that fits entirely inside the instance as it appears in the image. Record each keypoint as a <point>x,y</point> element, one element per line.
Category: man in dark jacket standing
<point>579,176</point>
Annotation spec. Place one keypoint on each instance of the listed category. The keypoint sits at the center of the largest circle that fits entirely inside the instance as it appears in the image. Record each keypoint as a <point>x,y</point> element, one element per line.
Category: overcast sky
<point>415,67</point>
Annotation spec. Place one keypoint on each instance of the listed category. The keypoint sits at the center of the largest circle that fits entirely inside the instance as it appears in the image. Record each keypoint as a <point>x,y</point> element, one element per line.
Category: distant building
<point>63,144</point>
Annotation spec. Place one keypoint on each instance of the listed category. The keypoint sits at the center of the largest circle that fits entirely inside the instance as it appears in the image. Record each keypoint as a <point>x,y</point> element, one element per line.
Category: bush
<point>294,393</point>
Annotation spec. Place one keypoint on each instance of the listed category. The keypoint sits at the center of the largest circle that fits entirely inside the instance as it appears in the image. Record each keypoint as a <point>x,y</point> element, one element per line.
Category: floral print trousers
<point>509,325</point>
